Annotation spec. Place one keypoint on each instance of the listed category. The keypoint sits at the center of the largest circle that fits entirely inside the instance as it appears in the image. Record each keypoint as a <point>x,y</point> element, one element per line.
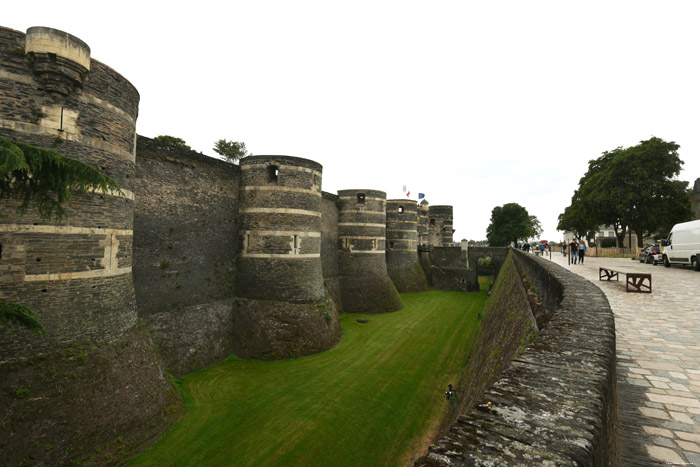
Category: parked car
<point>683,245</point>
<point>650,254</point>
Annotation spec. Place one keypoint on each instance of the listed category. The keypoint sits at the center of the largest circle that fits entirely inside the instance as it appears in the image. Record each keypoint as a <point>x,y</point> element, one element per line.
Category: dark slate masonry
<point>556,403</point>
<point>365,286</point>
<point>97,376</point>
<point>186,213</point>
<point>74,274</point>
<point>402,246</point>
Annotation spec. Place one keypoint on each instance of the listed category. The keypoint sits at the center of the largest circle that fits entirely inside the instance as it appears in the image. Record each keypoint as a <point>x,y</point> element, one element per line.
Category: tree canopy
<point>173,141</point>
<point>511,223</point>
<point>231,150</point>
<point>630,188</point>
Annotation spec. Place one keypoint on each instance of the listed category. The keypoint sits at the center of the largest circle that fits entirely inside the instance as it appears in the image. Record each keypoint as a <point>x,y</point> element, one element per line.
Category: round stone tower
<point>440,226</point>
<point>422,212</point>
<point>365,286</point>
<point>279,266</point>
<point>75,275</point>
<point>402,246</point>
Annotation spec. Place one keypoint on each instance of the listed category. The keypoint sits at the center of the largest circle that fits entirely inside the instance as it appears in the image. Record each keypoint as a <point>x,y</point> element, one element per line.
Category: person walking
<point>563,248</point>
<point>573,250</point>
<point>582,251</point>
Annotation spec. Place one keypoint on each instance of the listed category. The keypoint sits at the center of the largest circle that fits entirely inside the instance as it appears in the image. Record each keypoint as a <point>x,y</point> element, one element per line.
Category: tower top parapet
<point>59,60</point>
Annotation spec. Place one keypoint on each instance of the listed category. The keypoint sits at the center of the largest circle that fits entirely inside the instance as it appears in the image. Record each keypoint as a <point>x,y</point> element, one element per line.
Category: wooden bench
<point>638,281</point>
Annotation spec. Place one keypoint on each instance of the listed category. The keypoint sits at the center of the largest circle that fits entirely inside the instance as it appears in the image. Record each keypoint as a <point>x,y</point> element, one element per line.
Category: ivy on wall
<point>46,179</point>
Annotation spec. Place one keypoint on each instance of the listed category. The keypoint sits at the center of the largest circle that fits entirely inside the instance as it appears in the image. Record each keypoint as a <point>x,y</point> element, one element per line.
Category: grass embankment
<point>375,399</point>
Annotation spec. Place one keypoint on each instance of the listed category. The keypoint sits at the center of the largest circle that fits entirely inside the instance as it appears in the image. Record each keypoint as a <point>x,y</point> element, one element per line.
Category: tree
<point>630,188</point>
<point>578,219</point>
<point>45,178</point>
<point>173,141</point>
<point>231,150</point>
<point>511,223</point>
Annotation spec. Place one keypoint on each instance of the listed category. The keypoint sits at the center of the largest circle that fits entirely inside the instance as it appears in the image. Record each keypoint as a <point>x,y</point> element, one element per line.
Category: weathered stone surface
<point>556,403</point>
<point>273,330</point>
<point>449,271</point>
<point>85,404</point>
<point>193,338</point>
<point>186,223</point>
<point>365,286</point>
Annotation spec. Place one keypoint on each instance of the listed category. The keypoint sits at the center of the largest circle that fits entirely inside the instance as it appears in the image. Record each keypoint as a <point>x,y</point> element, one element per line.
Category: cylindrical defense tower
<point>365,285</point>
<point>423,220</point>
<point>440,226</point>
<point>279,267</point>
<point>402,246</point>
<point>75,275</point>
<point>280,230</point>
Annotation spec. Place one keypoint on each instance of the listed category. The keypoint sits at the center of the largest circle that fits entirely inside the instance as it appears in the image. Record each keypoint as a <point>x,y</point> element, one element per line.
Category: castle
<point>197,259</point>
<point>252,259</point>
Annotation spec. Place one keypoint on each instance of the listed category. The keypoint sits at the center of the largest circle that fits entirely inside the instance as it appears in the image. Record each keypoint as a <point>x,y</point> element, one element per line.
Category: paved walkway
<point>658,361</point>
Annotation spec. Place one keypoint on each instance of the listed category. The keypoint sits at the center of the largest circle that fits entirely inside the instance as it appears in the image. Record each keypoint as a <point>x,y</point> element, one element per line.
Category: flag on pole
<point>408,193</point>
<point>421,195</point>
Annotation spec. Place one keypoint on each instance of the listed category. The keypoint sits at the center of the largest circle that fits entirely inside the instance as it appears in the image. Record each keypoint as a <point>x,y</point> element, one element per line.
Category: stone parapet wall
<point>556,402</point>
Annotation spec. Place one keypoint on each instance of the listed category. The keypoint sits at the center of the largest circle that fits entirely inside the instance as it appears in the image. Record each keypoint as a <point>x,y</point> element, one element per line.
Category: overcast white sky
<point>475,104</point>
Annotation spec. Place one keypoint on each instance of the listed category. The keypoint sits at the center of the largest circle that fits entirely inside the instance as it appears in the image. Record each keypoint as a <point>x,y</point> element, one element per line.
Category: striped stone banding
<point>34,129</point>
<point>282,188</point>
<point>361,237</point>
<point>289,255</point>
<point>367,198</point>
<point>83,98</point>
<point>301,212</point>
<point>282,233</point>
<point>361,224</point>
<point>402,249</point>
<point>62,230</point>
<point>64,276</point>
<point>245,166</point>
<point>368,252</point>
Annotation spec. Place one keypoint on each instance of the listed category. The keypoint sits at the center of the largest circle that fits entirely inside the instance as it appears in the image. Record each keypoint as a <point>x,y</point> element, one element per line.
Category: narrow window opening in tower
<point>432,221</point>
<point>296,244</point>
<point>360,198</point>
<point>391,244</point>
<point>400,209</point>
<point>273,173</point>
<point>0,250</point>
<point>347,243</point>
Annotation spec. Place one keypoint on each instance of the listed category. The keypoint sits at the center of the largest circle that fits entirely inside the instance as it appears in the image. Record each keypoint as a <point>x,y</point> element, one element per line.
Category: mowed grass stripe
<point>372,400</point>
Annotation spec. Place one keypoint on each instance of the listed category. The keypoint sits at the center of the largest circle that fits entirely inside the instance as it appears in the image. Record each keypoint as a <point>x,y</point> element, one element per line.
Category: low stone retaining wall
<point>555,404</point>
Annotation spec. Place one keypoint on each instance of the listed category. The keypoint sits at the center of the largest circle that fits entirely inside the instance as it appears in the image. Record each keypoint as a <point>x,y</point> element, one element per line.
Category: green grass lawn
<point>375,399</point>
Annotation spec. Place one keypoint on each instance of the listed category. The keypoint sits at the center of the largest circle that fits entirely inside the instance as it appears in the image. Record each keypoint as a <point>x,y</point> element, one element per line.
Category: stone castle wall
<point>555,403</point>
<point>402,246</point>
<point>365,286</point>
<point>98,375</point>
<point>76,273</point>
<point>186,213</point>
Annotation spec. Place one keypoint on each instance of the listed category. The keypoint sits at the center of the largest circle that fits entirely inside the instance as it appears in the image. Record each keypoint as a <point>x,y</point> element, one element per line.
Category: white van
<point>683,245</point>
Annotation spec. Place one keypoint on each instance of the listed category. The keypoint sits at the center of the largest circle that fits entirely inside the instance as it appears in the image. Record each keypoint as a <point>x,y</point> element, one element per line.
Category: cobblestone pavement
<point>658,361</point>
